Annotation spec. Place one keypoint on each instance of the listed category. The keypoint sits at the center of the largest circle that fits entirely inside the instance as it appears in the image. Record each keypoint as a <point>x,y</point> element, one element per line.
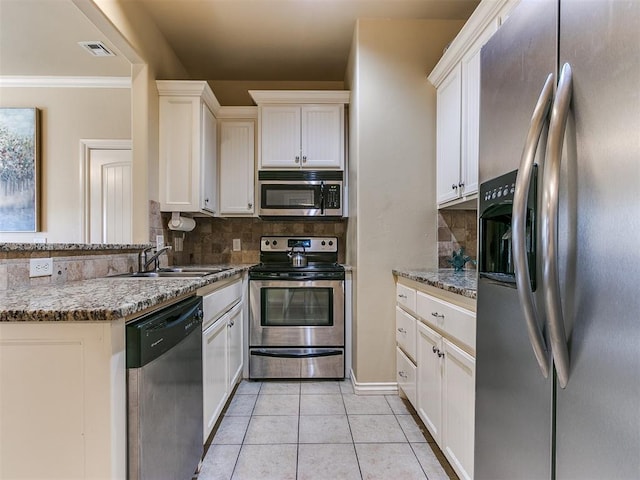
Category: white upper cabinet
<point>301,129</point>
<point>457,80</point>
<point>237,163</point>
<point>188,147</point>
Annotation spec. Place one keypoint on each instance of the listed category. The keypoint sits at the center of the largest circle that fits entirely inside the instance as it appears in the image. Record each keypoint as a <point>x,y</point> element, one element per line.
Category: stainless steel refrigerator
<point>558,314</point>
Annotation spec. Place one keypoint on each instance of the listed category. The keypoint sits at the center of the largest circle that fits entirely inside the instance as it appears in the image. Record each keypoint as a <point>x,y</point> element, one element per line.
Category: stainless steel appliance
<point>164,392</point>
<point>300,193</point>
<point>296,326</point>
<point>557,383</point>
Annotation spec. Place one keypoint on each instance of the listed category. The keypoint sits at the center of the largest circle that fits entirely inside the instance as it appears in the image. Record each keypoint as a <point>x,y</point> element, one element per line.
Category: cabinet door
<point>470,65</point>
<point>280,136</point>
<point>322,136</point>
<point>448,136</point>
<point>234,326</point>
<point>215,373</point>
<point>429,380</point>
<point>236,168</point>
<point>179,145</point>
<point>209,161</point>
<point>459,409</point>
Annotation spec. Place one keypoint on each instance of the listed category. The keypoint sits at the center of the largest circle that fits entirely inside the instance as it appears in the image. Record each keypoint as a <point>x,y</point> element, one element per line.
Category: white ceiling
<point>275,40</point>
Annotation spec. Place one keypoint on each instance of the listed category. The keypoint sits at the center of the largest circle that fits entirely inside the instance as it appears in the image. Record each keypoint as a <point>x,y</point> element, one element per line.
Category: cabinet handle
<point>297,158</point>
<point>249,205</point>
<point>304,159</point>
<point>206,200</point>
<point>437,315</point>
<point>402,295</point>
<point>461,184</point>
<point>402,374</point>
<point>437,352</point>
<point>230,324</point>
<point>402,330</point>
<point>440,354</point>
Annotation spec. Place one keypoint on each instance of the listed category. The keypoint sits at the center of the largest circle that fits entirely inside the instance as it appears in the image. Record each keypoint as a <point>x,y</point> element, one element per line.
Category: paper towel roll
<point>182,224</point>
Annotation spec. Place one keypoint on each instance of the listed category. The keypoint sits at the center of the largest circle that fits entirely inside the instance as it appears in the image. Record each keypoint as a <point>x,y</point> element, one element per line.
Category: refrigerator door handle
<point>519,222</point>
<point>549,219</point>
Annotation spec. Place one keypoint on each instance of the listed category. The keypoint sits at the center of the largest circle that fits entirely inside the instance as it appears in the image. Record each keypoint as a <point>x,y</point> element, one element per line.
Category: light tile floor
<point>320,430</point>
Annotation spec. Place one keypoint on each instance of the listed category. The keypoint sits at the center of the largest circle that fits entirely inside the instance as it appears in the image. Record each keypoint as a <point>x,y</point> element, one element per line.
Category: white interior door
<point>110,206</point>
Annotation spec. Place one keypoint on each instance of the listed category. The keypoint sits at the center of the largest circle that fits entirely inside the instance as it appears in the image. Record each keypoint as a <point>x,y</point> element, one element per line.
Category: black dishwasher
<point>164,392</point>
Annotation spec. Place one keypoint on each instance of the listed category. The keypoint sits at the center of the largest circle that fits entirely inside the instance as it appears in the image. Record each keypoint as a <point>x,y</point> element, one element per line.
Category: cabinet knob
<point>304,159</point>
<point>230,324</point>
<point>461,184</point>
<point>402,330</point>
<point>454,186</point>
<point>434,349</point>
<point>297,158</point>
<point>402,374</point>
<point>206,200</point>
<point>440,354</point>
<point>402,295</point>
<point>250,205</point>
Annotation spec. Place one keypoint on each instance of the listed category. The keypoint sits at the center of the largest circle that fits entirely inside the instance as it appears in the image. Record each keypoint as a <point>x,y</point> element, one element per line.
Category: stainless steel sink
<point>177,272</point>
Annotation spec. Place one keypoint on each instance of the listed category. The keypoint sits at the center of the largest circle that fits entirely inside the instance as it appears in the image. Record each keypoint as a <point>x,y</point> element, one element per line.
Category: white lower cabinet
<point>221,349</point>
<point>441,382</point>
<point>429,380</point>
<point>458,408</point>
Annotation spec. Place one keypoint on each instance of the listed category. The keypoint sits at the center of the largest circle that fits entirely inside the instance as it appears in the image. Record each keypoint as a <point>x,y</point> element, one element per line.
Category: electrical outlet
<point>40,267</point>
<point>236,245</point>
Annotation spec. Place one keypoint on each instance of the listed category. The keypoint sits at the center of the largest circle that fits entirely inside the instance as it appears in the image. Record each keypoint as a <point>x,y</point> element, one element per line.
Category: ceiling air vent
<point>97,49</point>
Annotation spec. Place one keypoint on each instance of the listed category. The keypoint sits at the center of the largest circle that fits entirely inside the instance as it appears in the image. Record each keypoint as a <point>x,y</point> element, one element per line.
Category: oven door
<point>290,313</point>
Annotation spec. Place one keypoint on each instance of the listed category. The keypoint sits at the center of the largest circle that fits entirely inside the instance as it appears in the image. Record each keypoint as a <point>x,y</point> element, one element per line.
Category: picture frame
<point>19,169</point>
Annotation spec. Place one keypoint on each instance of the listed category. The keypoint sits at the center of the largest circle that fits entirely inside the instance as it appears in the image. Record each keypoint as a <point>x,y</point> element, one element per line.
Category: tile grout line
<point>353,442</point>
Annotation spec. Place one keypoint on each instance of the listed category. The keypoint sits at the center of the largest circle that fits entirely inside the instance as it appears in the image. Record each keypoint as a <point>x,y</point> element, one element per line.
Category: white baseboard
<point>373,388</point>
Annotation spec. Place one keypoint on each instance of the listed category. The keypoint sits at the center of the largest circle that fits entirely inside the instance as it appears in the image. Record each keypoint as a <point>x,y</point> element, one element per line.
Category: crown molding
<point>190,88</point>
<point>18,81</point>
<point>238,113</point>
<point>264,97</point>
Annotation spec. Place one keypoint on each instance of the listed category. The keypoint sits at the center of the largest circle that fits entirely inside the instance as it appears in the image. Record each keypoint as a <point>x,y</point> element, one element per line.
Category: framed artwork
<point>19,169</point>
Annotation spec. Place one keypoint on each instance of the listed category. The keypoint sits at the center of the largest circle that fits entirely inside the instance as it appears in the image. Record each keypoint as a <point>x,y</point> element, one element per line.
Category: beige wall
<point>154,59</point>
<point>392,174</point>
<point>68,115</point>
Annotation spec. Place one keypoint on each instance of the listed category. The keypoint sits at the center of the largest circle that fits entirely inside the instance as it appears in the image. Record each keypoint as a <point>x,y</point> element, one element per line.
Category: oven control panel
<point>309,244</point>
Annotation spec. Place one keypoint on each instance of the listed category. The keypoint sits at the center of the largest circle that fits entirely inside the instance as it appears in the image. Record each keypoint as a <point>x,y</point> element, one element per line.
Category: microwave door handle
<point>321,198</point>
<point>519,219</point>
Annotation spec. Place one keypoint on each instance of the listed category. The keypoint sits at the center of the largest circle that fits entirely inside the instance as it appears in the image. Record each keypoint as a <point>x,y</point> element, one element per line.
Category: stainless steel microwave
<point>300,193</point>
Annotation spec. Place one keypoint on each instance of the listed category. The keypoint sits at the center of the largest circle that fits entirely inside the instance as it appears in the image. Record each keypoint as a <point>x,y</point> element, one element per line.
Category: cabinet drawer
<point>453,320</point>
<point>406,332</point>
<point>219,301</point>
<point>406,375</point>
<point>406,297</point>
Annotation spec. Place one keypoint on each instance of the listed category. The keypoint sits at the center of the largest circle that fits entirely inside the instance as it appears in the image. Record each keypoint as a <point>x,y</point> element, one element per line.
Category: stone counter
<point>462,283</point>
<point>99,299</point>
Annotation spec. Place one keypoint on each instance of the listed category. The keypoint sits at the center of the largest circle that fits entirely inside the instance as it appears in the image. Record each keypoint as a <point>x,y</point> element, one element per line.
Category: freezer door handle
<point>549,220</point>
<point>519,222</point>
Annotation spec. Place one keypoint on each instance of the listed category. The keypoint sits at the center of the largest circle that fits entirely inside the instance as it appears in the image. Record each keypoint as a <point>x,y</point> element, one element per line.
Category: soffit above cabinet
<point>280,97</point>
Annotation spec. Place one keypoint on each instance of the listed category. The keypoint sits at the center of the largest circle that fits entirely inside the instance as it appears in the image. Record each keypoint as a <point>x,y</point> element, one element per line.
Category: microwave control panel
<point>332,196</point>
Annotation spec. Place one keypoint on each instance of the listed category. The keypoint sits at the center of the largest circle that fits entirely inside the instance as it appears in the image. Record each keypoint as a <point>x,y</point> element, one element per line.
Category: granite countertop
<point>89,247</point>
<point>463,283</point>
<point>100,299</point>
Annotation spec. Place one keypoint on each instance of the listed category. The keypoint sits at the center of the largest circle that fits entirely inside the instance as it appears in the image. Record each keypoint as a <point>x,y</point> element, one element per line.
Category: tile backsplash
<point>211,241</point>
<point>457,228</point>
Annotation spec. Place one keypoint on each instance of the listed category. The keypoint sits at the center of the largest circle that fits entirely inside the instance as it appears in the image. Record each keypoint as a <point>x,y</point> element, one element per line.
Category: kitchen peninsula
<point>62,355</point>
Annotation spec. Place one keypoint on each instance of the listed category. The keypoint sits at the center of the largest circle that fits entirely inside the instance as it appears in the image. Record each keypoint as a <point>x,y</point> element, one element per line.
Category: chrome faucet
<point>144,262</point>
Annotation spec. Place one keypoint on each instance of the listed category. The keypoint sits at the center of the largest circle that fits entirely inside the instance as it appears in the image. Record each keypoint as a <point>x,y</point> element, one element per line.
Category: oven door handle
<point>297,352</point>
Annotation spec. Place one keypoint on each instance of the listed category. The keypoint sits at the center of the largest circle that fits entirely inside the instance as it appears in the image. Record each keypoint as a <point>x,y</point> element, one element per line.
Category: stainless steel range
<point>296,295</point>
